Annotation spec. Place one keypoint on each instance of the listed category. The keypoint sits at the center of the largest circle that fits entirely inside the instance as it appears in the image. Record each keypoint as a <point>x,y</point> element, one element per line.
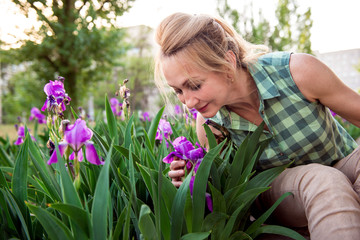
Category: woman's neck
<point>245,92</point>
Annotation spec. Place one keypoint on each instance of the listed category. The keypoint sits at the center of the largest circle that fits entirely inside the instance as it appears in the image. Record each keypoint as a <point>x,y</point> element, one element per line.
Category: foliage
<point>138,66</point>
<point>22,91</point>
<point>130,196</point>
<point>290,32</point>
<point>75,38</point>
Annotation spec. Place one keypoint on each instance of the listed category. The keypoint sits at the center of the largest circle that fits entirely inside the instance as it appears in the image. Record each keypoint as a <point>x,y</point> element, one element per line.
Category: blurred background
<point>96,44</point>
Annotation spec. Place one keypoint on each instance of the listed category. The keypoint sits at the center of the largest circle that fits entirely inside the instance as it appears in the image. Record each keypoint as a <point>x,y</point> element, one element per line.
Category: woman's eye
<point>178,91</point>
<point>195,87</point>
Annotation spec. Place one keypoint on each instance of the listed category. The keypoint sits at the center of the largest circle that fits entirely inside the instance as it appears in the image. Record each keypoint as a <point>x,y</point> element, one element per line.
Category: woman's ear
<point>231,58</point>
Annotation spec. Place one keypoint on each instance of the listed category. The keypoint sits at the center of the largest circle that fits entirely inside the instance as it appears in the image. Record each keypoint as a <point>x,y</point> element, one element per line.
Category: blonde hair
<point>204,42</point>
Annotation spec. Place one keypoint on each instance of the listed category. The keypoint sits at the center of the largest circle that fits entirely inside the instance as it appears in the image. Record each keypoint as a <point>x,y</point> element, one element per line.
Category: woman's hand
<point>177,171</point>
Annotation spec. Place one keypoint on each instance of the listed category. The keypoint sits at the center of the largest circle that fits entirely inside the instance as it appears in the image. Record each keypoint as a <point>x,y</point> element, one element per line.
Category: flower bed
<point>110,181</point>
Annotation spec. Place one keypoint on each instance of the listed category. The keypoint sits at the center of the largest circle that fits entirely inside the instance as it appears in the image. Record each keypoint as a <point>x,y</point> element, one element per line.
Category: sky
<point>335,23</point>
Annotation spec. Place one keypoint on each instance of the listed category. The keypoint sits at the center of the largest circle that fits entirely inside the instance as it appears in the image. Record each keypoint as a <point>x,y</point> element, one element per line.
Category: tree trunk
<point>70,85</point>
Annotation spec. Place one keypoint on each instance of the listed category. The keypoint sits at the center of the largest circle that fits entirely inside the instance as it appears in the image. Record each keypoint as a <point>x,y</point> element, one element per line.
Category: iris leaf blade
<point>99,212</point>
<point>153,127</point>
<point>111,120</point>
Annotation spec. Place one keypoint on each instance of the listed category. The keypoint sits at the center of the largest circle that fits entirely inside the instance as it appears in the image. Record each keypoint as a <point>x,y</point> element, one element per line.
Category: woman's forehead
<point>185,63</point>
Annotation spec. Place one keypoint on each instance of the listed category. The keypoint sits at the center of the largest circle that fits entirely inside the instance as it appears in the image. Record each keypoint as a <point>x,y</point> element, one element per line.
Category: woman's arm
<point>317,82</point>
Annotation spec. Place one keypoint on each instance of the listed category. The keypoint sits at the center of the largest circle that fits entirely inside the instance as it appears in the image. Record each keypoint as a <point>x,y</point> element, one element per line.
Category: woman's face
<point>207,92</point>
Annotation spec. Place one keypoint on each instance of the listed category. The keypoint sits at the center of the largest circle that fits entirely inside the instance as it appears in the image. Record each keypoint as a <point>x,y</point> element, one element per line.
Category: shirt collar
<point>261,75</point>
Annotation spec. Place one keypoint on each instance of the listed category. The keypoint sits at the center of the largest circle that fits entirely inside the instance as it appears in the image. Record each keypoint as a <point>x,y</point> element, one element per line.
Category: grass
<point>8,130</point>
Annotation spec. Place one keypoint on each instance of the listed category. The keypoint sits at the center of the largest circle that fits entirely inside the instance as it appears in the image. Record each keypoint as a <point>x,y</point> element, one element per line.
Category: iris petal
<point>53,158</point>
<point>195,154</point>
<point>91,154</point>
<point>209,201</point>
<point>197,165</point>
<point>178,141</point>
<point>184,147</point>
<point>19,141</point>
<point>169,158</point>
<point>77,134</point>
<point>191,184</point>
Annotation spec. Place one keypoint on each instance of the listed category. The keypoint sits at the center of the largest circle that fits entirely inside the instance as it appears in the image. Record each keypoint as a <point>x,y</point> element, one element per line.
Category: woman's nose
<point>190,100</point>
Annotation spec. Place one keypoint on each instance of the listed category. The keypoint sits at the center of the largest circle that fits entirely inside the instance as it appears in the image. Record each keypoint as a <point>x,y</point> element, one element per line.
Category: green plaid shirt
<point>301,131</point>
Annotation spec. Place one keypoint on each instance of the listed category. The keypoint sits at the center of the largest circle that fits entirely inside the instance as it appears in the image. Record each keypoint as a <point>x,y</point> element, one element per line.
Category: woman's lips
<point>202,109</point>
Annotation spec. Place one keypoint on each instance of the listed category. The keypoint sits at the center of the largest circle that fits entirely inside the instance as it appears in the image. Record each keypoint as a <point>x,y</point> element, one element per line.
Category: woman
<point>238,85</point>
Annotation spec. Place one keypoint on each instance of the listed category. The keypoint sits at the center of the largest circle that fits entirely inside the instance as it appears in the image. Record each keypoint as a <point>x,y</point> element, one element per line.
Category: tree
<point>77,39</point>
<point>138,66</point>
<point>290,32</point>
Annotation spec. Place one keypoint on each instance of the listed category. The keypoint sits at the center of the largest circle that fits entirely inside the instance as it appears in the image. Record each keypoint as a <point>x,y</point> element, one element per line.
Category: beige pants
<point>325,198</point>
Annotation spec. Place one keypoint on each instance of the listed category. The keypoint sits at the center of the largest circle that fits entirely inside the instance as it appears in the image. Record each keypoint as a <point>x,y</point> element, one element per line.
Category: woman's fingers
<point>177,164</point>
<point>176,183</point>
<point>176,173</point>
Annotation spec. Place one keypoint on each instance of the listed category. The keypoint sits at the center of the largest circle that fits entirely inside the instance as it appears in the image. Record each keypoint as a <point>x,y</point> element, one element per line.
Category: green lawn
<point>8,130</point>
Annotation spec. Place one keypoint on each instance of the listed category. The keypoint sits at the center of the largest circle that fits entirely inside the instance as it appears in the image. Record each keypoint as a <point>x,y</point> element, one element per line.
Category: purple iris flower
<point>184,149</point>
<point>75,137</point>
<point>21,136</point>
<point>145,116</point>
<point>115,106</point>
<point>194,112</point>
<point>177,110</point>
<point>56,95</point>
<point>35,113</point>
<point>164,128</point>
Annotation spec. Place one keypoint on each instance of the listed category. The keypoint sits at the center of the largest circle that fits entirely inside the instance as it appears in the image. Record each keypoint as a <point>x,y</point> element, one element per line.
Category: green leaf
<point>111,121</point>
<point>219,203</point>
<point>20,174</point>
<point>230,223</point>
<point>78,215</point>
<point>15,208</point>
<point>240,235</point>
<point>266,177</point>
<point>120,223</point>
<point>128,135</point>
<point>273,229</point>
<point>5,158</point>
<point>68,190</point>
<point>259,221</point>
<point>74,113</point>
<point>195,236</point>
<point>154,126</point>
<point>125,153</point>
<point>177,210</point>
<point>210,136</point>
<point>3,182</point>
<point>99,210</point>
<point>214,220</point>
<point>247,197</point>
<point>126,231</point>
<point>100,141</point>
<point>146,223</point>
<point>200,183</point>
<point>54,227</point>
<point>70,195</point>
<point>47,177</point>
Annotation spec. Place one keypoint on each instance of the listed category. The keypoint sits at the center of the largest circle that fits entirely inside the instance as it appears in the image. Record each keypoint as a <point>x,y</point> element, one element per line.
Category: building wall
<point>344,63</point>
